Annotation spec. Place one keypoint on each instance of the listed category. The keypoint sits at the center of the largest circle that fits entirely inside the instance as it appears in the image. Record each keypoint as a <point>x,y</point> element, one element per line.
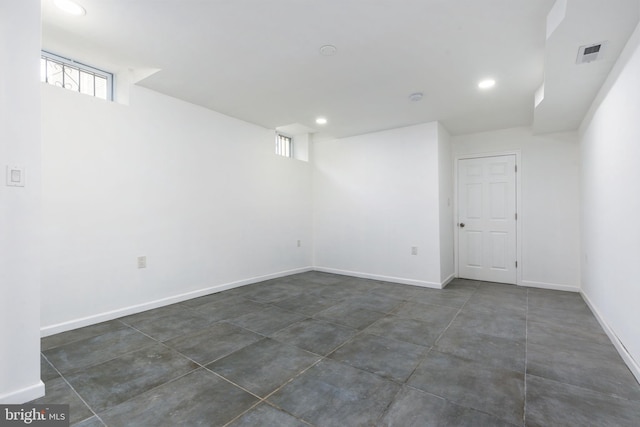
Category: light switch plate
<point>15,176</point>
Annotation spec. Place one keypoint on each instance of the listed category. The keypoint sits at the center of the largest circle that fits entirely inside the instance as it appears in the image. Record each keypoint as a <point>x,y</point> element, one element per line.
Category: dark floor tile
<point>308,304</point>
<point>464,284</point>
<point>401,292</point>
<point>338,291</point>
<point>154,314</point>
<point>499,392</point>
<point>391,359</point>
<point>92,351</point>
<point>414,408</point>
<point>333,394</point>
<point>544,299</point>
<point>113,382</point>
<point>585,364</point>
<point>501,289</point>
<point>57,391</point>
<point>79,334</point>
<point>267,320</point>
<point>366,286</point>
<point>197,399</point>
<point>550,403</point>
<point>218,297</point>
<point>214,342</point>
<point>579,320</point>
<point>350,315</point>
<point>263,366</point>
<point>240,291</point>
<point>47,372</point>
<point>450,296</point>
<point>489,350</point>
<point>389,288</point>
<point>315,336</point>
<point>498,301</point>
<point>460,416</point>
<point>89,422</point>
<point>509,325</point>
<point>434,314</point>
<point>274,292</point>
<point>265,415</point>
<point>322,278</point>
<point>542,330</point>
<point>415,331</point>
<point>173,325</point>
<point>230,309</point>
<point>374,302</point>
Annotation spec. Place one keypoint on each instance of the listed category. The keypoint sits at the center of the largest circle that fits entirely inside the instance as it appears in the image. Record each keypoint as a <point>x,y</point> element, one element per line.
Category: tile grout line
<point>426,354</point>
<point>322,358</point>
<point>95,414</point>
<point>359,332</point>
<point>264,399</point>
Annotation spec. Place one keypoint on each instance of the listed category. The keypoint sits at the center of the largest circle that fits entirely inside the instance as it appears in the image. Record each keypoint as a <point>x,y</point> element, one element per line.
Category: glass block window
<point>284,145</point>
<point>68,74</point>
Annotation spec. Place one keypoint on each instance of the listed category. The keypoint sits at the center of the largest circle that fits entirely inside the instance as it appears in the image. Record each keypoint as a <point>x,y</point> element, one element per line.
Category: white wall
<point>201,195</point>
<point>445,179</point>
<point>610,149</point>
<point>376,196</point>
<point>549,219</point>
<point>20,206</point>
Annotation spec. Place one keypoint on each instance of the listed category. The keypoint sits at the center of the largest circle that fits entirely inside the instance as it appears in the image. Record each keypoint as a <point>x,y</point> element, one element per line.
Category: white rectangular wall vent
<point>591,52</point>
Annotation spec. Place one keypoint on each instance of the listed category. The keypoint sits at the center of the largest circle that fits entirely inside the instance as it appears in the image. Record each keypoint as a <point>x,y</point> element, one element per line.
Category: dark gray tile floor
<point>328,350</point>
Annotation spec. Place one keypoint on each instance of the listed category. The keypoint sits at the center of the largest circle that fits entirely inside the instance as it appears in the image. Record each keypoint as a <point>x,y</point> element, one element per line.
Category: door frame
<point>521,218</point>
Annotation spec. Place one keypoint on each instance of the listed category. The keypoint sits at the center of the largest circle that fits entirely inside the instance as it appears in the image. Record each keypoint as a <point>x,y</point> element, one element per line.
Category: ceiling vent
<point>591,52</point>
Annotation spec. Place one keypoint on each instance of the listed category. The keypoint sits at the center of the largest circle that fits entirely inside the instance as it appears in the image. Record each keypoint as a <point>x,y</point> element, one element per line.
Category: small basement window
<point>66,73</point>
<point>284,145</point>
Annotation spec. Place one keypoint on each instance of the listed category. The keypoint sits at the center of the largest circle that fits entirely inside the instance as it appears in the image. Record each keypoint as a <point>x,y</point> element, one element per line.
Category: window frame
<point>287,151</point>
<point>80,67</point>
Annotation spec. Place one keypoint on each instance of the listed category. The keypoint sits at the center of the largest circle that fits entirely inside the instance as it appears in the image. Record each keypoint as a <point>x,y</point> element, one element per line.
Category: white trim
<point>552,286</point>
<point>125,311</point>
<point>459,157</point>
<point>27,394</point>
<point>633,365</point>
<point>400,280</point>
<point>448,280</point>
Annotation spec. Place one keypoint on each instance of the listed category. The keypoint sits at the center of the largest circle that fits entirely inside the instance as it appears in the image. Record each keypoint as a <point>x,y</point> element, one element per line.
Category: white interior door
<point>487,219</point>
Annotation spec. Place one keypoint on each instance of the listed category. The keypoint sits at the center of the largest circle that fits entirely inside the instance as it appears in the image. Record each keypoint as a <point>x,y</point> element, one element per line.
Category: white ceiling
<point>259,60</point>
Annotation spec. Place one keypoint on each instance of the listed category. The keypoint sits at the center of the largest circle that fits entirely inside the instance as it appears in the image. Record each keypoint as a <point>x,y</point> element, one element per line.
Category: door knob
<point>462,225</point>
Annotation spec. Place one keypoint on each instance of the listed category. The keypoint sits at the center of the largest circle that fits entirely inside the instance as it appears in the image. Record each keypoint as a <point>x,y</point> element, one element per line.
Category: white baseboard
<point>382,278</point>
<point>448,280</point>
<point>125,311</point>
<point>27,394</point>
<point>551,286</point>
<point>633,365</point>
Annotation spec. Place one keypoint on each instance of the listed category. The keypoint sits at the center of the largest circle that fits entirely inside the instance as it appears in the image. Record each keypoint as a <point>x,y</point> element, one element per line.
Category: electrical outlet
<point>414,250</point>
<point>142,262</point>
<point>299,243</point>
<point>15,176</point>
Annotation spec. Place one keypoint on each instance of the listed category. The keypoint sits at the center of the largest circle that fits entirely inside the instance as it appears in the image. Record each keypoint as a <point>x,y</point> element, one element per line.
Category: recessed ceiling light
<point>486,84</point>
<point>70,7</point>
<point>321,121</point>
<point>328,50</point>
<point>415,97</point>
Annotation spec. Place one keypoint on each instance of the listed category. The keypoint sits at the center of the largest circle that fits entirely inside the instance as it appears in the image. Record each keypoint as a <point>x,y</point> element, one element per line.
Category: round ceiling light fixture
<point>321,121</point>
<point>486,84</point>
<point>328,50</point>
<point>417,96</point>
<point>70,7</point>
